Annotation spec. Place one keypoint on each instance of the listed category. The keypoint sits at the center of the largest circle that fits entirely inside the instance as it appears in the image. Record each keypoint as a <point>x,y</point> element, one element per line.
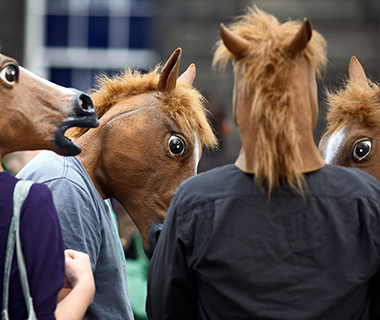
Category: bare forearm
<point>75,304</point>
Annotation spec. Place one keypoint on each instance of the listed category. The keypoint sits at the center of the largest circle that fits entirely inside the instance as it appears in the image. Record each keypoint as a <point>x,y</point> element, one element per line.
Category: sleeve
<point>78,216</point>
<point>172,289</point>
<point>43,250</point>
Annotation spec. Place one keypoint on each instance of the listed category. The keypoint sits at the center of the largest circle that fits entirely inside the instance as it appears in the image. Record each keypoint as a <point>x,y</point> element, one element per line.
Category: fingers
<point>69,253</point>
<point>76,255</point>
<point>77,268</point>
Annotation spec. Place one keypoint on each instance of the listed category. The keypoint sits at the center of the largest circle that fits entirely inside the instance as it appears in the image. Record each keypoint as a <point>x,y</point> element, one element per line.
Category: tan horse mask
<point>353,123</point>
<point>145,145</point>
<point>284,149</point>
<point>36,112</point>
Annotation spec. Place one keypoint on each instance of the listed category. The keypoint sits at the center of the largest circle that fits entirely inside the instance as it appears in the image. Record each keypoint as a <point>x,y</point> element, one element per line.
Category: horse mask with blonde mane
<point>275,97</point>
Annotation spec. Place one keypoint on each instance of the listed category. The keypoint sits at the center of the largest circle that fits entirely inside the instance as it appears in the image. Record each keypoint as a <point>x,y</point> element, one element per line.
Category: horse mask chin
<point>154,233</point>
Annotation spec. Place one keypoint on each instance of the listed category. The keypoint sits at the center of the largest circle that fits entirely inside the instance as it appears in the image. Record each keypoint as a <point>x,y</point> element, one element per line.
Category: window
<point>70,41</point>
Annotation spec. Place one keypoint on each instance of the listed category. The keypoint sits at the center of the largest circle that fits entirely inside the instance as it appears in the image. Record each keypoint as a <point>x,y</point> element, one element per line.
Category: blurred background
<point>70,41</point>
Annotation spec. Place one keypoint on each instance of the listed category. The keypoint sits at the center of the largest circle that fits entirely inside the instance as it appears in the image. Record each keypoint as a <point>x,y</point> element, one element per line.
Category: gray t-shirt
<point>88,226</point>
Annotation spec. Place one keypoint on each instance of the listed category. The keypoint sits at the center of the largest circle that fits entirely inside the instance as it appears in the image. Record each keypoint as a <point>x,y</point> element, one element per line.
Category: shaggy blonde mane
<point>266,71</point>
<point>353,103</point>
<point>184,105</point>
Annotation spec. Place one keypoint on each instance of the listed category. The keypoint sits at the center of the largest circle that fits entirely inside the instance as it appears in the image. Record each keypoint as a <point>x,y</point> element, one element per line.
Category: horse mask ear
<point>169,73</point>
<point>357,75</point>
<point>376,97</point>
<point>356,72</point>
<point>301,38</point>
<point>189,75</point>
<point>234,43</point>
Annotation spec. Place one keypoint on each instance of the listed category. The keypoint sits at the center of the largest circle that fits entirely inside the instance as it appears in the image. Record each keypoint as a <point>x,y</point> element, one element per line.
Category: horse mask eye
<point>10,73</point>
<point>177,146</point>
<point>361,150</point>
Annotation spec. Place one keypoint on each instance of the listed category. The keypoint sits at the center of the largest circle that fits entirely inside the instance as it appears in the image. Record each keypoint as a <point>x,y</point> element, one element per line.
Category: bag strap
<point>20,193</point>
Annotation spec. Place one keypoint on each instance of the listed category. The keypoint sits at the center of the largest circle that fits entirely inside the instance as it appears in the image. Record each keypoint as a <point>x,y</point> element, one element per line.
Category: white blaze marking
<point>196,152</point>
<point>47,82</point>
<point>334,144</point>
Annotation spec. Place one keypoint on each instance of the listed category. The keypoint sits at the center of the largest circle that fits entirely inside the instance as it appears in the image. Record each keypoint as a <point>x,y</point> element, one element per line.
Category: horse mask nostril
<point>158,235</point>
<point>153,236</point>
<point>85,101</point>
<point>84,104</point>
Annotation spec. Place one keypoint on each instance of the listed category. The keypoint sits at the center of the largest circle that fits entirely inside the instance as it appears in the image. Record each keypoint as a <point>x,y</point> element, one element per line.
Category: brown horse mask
<point>36,112</point>
<point>354,130</point>
<point>127,157</point>
<point>303,78</point>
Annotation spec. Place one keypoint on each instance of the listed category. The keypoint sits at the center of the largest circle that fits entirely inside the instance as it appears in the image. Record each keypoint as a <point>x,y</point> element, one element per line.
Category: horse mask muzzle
<point>154,234</point>
<point>83,115</point>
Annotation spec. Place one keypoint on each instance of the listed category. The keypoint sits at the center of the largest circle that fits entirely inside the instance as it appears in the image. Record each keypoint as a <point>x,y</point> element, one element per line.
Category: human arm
<point>172,288</point>
<point>79,277</point>
<point>15,161</point>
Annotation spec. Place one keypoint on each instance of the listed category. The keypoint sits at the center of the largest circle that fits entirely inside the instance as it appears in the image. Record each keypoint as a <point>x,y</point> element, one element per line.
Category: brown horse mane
<point>184,105</point>
<point>354,102</point>
<point>266,69</point>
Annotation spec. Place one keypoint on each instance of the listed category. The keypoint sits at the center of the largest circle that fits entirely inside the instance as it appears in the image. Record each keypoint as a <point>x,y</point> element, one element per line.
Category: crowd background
<point>41,35</point>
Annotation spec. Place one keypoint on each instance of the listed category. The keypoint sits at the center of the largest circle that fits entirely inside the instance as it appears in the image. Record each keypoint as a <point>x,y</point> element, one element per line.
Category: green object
<point>137,270</point>
<point>114,215</point>
<point>5,169</point>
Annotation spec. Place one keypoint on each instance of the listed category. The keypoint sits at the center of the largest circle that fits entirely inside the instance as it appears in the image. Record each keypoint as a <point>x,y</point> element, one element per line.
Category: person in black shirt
<point>279,234</point>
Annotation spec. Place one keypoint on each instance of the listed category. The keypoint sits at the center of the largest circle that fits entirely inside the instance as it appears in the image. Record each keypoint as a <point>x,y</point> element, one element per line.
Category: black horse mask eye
<point>361,150</point>
<point>177,146</point>
<point>9,73</point>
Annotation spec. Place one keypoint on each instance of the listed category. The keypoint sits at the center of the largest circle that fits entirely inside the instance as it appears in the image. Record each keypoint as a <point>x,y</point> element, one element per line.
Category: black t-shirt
<point>228,252</point>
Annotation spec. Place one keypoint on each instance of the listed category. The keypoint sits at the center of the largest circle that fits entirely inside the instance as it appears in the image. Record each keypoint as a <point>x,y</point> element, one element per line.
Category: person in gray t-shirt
<point>92,231</point>
<point>143,149</point>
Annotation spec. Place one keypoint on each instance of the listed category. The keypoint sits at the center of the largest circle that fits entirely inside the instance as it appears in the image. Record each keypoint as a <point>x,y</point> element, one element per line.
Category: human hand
<point>78,270</point>
<point>79,289</point>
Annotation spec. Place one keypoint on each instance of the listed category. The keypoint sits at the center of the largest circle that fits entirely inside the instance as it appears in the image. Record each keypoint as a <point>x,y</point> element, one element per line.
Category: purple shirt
<point>42,247</point>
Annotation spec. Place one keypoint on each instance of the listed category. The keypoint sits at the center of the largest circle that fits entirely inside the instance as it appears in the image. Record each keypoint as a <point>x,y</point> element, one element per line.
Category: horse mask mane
<point>180,100</point>
<point>266,52</point>
<point>358,101</point>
